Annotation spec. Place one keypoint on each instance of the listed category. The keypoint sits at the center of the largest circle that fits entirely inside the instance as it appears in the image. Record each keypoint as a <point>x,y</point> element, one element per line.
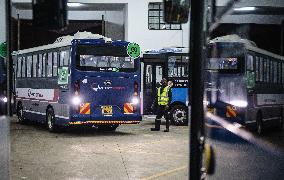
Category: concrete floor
<point>131,152</point>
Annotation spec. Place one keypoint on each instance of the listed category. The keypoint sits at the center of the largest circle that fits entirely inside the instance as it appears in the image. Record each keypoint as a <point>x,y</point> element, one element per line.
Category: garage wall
<point>135,21</point>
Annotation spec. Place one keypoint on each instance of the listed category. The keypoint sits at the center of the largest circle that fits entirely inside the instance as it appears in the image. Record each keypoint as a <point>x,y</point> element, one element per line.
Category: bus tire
<point>259,124</point>
<point>178,115</point>
<point>50,121</point>
<point>110,127</point>
<point>20,114</point>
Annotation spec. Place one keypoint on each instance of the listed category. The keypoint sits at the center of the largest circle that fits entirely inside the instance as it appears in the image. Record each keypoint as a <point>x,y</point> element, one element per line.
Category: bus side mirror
<point>176,11</point>
<point>51,14</point>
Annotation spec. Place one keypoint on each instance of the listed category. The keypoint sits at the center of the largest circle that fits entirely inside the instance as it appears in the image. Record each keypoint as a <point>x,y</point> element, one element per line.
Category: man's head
<point>170,83</point>
<point>164,82</point>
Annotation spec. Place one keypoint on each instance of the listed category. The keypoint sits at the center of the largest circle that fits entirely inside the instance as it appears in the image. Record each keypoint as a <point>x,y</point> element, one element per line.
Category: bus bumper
<point>105,120</point>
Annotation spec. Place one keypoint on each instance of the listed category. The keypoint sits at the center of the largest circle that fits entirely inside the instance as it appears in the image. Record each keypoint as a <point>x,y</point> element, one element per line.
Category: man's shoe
<point>154,129</point>
<point>166,130</point>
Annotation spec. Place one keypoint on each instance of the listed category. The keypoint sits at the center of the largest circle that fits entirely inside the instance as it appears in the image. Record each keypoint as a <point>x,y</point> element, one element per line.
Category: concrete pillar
<point>4,147</point>
<point>2,22</point>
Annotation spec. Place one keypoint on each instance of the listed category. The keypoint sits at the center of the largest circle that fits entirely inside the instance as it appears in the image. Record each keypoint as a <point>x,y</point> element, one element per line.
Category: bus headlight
<point>4,99</point>
<point>76,100</point>
<point>239,103</point>
<point>135,100</point>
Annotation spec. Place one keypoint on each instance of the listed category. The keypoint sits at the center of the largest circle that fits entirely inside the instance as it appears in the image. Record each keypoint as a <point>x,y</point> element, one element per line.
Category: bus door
<point>153,74</point>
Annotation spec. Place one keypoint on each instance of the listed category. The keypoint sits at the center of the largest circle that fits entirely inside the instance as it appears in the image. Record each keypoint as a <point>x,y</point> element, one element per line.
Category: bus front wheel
<point>178,115</point>
<point>20,114</point>
<point>50,120</point>
<point>259,124</point>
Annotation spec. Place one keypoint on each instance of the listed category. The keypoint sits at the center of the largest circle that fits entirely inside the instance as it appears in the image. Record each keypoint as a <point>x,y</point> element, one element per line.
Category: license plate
<point>107,110</point>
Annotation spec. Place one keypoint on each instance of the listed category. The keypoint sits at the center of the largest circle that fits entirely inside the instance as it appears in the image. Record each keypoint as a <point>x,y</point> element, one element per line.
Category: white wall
<point>138,29</point>
<point>2,22</point>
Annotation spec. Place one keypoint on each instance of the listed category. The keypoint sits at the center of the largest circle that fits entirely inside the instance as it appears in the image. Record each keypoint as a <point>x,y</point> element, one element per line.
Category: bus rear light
<point>4,99</point>
<point>76,100</point>
<point>135,88</point>
<point>135,100</point>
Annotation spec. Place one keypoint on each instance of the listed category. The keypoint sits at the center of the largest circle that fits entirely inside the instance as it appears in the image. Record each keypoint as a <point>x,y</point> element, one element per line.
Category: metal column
<point>198,54</point>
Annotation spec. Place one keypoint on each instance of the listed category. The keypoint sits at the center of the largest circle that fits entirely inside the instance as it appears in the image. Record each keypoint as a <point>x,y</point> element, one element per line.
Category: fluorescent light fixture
<point>74,4</point>
<point>245,9</point>
<point>239,103</point>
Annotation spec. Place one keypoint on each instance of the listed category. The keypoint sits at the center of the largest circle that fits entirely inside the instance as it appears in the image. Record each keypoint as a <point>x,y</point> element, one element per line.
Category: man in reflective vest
<point>163,99</point>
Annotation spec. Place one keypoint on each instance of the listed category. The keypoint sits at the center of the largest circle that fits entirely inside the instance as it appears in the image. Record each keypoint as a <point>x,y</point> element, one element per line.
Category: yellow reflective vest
<point>163,97</point>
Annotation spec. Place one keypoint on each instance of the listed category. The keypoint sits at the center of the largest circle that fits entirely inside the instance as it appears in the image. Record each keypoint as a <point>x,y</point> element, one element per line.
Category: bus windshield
<point>222,63</point>
<point>225,57</point>
<point>104,58</point>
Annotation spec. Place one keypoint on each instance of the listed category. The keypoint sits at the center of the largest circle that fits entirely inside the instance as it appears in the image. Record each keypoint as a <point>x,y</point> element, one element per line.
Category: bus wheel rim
<point>259,129</point>
<point>49,121</point>
<point>20,118</point>
<point>176,113</point>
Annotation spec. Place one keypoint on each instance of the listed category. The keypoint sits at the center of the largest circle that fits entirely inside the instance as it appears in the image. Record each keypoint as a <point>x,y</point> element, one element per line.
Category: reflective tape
<point>128,108</point>
<point>85,108</point>
<point>103,122</point>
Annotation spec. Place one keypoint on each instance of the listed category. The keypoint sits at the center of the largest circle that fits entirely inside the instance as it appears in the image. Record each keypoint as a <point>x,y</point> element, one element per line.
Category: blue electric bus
<point>245,84</point>
<point>172,64</point>
<point>82,79</point>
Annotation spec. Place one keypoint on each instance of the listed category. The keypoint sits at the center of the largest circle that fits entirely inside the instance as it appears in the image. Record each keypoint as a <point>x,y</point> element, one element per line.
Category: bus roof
<point>64,41</point>
<point>167,50</point>
<point>249,45</point>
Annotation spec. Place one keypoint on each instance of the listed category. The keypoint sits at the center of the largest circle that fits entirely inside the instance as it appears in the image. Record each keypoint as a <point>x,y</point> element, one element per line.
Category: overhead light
<point>245,9</point>
<point>74,4</point>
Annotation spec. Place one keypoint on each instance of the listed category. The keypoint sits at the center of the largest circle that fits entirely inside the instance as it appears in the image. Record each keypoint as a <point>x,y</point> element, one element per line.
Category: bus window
<point>222,64</point>
<point>250,63</point>
<point>279,72</point>
<point>61,58</point>
<point>49,65</point>
<point>282,73</point>
<point>64,58</point>
<point>257,69</point>
<point>44,64</point>
<point>34,65</point>
<point>54,69</point>
<point>148,74</point>
<point>265,68</point>
<point>24,67</point>
<point>261,72</point>
<point>19,67</point>
<point>178,66</point>
<point>29,66</point>
<point>271,71</point>
<point>275,68</point>
<point>39,65</point>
